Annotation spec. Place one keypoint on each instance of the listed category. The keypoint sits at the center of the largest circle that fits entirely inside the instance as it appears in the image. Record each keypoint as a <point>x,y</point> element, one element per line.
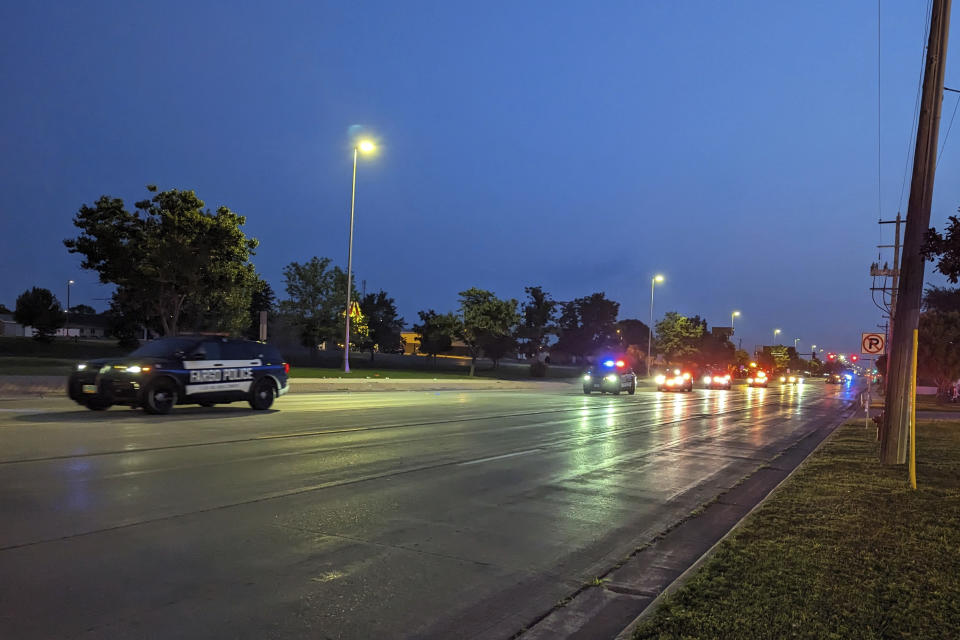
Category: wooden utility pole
<point>894,433</point>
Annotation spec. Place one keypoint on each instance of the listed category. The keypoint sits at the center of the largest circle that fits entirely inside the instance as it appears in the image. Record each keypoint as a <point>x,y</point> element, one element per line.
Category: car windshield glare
<point>164,347</point>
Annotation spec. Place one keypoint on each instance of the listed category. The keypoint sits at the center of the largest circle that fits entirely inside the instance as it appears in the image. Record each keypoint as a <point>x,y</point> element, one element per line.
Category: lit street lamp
<point>775,332</point>
<point>653,281</point>
<point>732,316</point>
<point>365,146</point>
<point>66,328</point>
<point>795,341</point>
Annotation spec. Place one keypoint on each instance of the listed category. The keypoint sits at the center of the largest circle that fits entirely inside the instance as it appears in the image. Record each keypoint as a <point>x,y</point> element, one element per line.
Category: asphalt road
<point>378,515</point>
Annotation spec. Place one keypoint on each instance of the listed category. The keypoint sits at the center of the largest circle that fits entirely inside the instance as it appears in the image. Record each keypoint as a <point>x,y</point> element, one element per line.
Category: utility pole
<point>894,432</point>
<point>894,274</point>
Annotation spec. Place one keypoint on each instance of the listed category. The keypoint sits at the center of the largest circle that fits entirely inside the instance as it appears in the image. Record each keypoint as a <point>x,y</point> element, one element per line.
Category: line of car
<point>614,375</point>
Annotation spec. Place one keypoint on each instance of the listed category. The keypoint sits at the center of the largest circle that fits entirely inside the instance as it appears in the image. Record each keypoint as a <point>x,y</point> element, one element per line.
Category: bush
<point>538,369</point>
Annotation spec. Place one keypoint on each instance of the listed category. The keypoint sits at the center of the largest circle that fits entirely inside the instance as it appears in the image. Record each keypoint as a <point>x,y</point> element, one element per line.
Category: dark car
<point>717,380</point>
<point>758,379</point>
<point>610,376</point>
<point>166,372</point>
<point>675,380</point>
<point>835,378</point>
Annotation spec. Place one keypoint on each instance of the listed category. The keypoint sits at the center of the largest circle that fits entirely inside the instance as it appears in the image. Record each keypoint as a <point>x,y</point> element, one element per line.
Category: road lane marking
<point>506,455</point>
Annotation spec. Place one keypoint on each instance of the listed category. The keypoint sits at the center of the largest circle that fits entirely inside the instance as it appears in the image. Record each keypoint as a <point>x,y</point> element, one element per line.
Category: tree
<point>780,356</point>
<point>3,309</point>
<point>938,349</point>
<point>941,299</point>
<point>384,322</point>
<point>82,310</point>
<point>945,249</point>
<point>175,263</point>
<point>588,325</point>
<point>39,308</point>
<point>487,324</point>
<point>262,298</point>
<point>538,314</point>
<point>436,332</point>
<point>678,337</point>
<point>317,295</point>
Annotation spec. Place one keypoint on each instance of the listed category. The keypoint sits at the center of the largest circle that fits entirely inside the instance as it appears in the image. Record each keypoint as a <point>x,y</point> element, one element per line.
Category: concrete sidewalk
<point>19,386</point>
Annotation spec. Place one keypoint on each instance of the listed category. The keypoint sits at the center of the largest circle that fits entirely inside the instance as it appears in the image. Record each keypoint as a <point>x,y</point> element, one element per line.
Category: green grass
<point>843,550</point>
<point>36,366</point>
<point>924,403</point>
<point>59,348</point>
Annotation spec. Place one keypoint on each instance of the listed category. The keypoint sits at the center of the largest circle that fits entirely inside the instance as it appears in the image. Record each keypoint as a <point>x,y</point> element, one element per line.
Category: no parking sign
<point>873,344</point>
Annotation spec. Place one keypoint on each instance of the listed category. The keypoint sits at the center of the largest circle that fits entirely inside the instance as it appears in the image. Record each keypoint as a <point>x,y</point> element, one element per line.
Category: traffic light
<point>831,356</point>
<point>854,357</point>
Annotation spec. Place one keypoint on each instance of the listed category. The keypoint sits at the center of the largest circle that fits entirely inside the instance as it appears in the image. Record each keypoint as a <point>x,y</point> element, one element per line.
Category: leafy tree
<point>944,249</point>
<point>588,325</point>
<point>941,299</point>
<point>678,337</point>
<point>316,296</point>
<point>436,332</point>
<point>780,356</point>
<point>741,358</point>
<point>3,309</point>
<point>938,349</point>
<point>487,324</point>
<point>82,310</point>
<point>262,298</point>
<point>174,262</point>
<point>38,308</point>
<point>384,322</point>
<point>538,313</point>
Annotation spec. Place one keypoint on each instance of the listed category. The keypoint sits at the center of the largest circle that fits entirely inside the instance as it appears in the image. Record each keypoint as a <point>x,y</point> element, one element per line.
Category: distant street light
<point>775,332</point>
<point>365,146</point>
<point>795,341</point>
<point>732,316</point>
<point>653,281</point>
<point>66,328</point>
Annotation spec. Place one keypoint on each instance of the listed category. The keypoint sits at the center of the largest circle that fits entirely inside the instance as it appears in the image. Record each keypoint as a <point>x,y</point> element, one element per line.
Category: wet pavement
<point>396,514</point>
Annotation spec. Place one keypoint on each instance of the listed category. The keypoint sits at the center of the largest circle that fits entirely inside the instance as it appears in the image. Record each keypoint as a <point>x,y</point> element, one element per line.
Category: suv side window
<point>210,349</point>
<point>237,350</point>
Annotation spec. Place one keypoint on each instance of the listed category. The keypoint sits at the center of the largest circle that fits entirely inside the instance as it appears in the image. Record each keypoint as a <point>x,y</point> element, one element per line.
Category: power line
<point>947,134</point>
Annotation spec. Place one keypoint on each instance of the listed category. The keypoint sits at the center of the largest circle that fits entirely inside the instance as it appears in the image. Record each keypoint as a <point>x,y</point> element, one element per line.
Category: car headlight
<point>660,379</point>
<point>81,366</point>
<point>586,377</point>
<point>611,378</point>
<point>707,380</point>
<point>686,376</point>
<point>792,379</point>
<point>782,379</point>
<point>749,380</point>
<point>134,368</point>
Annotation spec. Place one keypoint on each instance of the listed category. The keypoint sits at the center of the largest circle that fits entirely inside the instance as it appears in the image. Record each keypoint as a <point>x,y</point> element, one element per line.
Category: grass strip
<point>375,374</point>
<point>843,549</point>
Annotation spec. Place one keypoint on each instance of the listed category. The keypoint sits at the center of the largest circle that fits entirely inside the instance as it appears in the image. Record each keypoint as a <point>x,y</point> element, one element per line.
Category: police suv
<point>204,370</point>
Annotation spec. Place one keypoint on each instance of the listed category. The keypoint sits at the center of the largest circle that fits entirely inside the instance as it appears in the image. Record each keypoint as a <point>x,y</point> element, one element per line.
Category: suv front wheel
<point>160,397</point>
<point>262,394</point>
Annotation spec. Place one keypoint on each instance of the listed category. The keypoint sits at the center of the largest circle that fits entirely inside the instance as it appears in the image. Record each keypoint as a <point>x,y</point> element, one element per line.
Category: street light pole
<point>366,146</point>
<point>653,281</point>
<point>795,341</point>
<point>775,332</point>
<point>732,316</point>
<point>67,323</point>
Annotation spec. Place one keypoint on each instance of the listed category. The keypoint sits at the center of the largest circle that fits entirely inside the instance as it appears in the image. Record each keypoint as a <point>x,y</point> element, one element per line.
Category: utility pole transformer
<point>894,432</point>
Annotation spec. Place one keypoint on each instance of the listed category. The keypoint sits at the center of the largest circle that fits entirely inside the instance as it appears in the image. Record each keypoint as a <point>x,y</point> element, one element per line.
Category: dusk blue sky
<point>731,146</point>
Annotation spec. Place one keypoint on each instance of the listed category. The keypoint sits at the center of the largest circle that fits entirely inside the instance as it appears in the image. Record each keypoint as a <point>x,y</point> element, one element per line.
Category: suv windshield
<point>164,347</point>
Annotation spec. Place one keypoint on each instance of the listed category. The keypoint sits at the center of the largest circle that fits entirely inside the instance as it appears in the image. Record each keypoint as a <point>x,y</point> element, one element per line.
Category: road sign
<point>873,344</point>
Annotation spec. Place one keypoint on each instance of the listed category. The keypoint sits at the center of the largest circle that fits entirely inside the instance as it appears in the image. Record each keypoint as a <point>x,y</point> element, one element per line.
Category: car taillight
<point>286,367</point>
<point>686,376</point>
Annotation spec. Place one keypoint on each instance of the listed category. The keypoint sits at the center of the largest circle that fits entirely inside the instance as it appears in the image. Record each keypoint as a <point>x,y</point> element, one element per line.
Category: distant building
<point>10,327</point>
<point>411,345</point>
